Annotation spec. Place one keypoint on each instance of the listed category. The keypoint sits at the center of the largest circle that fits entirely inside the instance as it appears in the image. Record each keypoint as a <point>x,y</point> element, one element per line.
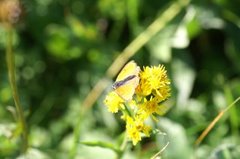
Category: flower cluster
<point>153,88</point>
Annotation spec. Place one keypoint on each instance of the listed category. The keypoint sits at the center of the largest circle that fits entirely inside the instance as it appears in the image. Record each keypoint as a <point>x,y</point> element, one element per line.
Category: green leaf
<point>101,144</point>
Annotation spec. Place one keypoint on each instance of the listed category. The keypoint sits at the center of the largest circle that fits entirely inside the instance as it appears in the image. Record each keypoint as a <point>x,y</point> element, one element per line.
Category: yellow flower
<point>146,130</point>
<point>132,131</point>
<point>134,135</point>
<point>135,126</point>
<point>162,93</point>
<point>151,108</point>
<point>113,102</point>
<point>154,80</point>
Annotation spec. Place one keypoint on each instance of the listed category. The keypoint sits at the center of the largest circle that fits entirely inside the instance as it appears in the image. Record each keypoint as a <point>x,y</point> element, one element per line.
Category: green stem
<point>127,110</point>
<point>12,80</point>
<point>77,131</point>
<point>125,139</point>
<point>122,147</point>
<point>124,143</point>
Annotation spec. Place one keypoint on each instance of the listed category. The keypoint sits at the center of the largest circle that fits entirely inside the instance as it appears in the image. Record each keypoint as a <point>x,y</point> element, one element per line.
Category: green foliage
<point>62,48</point>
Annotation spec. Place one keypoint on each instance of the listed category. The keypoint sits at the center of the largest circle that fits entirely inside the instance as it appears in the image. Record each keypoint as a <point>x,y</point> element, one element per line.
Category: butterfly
<point>127,80</point>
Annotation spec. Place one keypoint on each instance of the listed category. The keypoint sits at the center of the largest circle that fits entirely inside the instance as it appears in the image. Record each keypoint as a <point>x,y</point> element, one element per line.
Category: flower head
<point>113,102</point>
<point>135,127</point>
<point>153,80</point>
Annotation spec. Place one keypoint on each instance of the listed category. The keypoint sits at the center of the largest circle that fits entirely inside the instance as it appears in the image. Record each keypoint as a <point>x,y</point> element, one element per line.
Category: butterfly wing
<point>127,87</point>
<point>130,68</point>
<point>127,90</point>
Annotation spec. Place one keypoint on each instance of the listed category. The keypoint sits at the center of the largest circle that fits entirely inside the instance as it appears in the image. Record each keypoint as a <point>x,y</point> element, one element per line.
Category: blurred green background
<point>63,47</point>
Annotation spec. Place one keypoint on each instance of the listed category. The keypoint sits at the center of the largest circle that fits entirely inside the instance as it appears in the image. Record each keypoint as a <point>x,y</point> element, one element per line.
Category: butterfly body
<point>127,81</point>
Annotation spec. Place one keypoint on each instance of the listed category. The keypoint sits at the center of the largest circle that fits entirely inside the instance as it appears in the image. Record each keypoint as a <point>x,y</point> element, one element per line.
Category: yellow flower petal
<point>113,102</point>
